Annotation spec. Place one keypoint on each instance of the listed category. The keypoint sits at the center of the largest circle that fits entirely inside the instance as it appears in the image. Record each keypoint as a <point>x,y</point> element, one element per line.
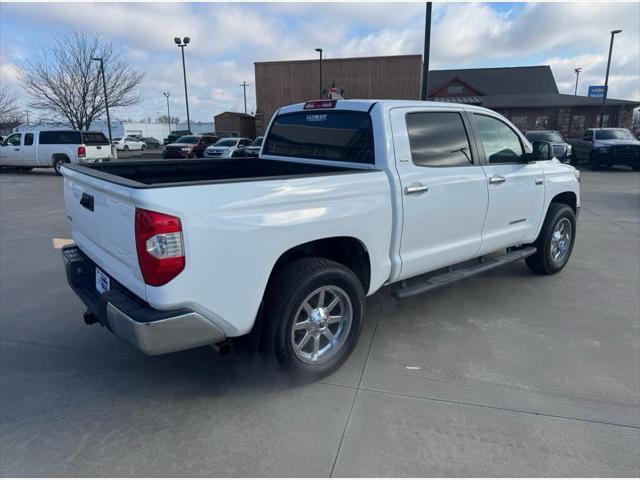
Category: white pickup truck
<point>53,148</point>
<point>347,196</point>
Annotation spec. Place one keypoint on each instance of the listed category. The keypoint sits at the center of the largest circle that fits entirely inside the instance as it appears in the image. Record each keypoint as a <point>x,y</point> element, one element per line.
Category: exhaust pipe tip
<point>222,348</point>
<point>89,318</point>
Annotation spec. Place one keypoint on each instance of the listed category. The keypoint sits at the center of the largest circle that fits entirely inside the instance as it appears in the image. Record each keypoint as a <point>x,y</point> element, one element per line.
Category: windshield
<point>544,137</point>
<point>614,134</point>
<point>258,141</point>
<point>188,139</point>
<point>226,142</point>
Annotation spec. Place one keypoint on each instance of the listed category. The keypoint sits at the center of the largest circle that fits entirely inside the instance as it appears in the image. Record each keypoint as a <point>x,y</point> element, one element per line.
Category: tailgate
<point>103,225</point>
<point>96,152</point>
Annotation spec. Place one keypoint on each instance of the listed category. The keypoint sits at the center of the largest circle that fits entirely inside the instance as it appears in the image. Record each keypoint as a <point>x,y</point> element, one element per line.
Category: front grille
<point>626,151</point>
<point>558,150</point>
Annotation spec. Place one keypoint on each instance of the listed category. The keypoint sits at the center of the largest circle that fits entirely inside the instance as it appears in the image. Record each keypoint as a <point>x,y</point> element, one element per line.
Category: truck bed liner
<point>171,173</point>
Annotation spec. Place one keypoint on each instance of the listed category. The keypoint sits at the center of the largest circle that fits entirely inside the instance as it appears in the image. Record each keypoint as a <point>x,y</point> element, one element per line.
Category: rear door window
<point>67,137</point>
<point>337,135</point>
<point>28,139</point>
<point>94,138</point>
<point>438,139</point>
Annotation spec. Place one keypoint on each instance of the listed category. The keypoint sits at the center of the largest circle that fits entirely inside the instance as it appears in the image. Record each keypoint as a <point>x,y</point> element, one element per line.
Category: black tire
<point>57,164</point>
<point>126,148</point>
<point>594,164</point>
<point>636,168</point>
<point>286,293</point>
<point>543,261</point>
<point>143,148</point>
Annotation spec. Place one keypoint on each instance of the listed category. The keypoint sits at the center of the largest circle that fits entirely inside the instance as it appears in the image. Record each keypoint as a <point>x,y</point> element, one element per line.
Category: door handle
<point>413,189</point>
<point>497,179</point>
<point>539,181</point>
<point>17,149</point>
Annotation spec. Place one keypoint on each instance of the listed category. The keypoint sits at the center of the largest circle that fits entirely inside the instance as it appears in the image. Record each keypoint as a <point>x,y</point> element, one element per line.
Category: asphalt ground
<point>505,374</point>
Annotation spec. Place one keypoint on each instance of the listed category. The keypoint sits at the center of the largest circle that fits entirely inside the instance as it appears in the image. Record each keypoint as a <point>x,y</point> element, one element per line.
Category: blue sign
<point>596,91</point>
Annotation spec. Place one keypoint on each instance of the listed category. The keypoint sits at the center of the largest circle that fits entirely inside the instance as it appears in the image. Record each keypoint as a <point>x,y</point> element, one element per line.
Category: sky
<point>227,38</point>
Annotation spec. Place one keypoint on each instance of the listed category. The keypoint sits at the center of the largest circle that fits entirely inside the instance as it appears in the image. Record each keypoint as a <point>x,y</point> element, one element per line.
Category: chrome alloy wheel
<point>561,240</point>
<point>321,324</point>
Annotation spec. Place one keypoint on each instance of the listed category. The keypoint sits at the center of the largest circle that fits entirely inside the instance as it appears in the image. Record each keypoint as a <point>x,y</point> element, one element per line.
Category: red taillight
<point>320,104</point>
<point>159,245</point>
<point>82,151</point>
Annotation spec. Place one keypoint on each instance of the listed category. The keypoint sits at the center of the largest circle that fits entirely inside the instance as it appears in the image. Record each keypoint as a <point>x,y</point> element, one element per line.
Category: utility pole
<point>183,43</point>
<point>319,50</point>
<point>244,86</point>
<point>114,153</point>
<point>425,57</point>
<point>167,95</point>
<point>577,70</point>
<point>606,78</point>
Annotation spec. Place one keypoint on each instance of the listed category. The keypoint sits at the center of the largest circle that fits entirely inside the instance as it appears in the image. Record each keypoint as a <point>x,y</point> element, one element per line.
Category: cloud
<point>228,38</point>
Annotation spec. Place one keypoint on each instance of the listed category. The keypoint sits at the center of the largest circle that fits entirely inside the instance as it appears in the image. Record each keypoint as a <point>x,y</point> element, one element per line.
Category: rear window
<point>60,138</point>
<point>94,138</point>
<point>337,135</point>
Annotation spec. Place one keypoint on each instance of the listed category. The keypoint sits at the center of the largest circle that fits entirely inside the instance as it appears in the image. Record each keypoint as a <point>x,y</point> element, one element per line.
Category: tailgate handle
<point>87,201</point>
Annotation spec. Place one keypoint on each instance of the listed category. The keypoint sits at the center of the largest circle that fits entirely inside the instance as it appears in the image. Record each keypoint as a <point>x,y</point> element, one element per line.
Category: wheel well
<point>348,251</point>
<point>568,198</point>
<point>59,156</point>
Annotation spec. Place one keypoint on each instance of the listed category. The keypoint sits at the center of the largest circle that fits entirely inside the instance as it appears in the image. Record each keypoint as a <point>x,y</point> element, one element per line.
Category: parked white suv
<point>227,148</point>
<point>53,148</point>
<point>347,196</point>
<point>129,143</point>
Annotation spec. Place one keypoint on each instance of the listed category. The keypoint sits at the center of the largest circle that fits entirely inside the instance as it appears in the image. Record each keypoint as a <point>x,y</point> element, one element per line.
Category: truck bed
<point>171,173</point>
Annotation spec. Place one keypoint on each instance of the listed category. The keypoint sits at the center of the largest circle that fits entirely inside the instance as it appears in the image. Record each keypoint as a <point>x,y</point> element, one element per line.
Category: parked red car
<point>189,146</point>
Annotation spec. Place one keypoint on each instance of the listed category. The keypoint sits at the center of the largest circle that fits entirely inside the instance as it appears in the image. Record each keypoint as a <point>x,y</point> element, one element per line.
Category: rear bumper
<point>152,331</point>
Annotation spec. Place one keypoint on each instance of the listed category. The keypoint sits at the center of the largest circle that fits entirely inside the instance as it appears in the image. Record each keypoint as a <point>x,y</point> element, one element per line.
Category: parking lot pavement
<point>503,374</point>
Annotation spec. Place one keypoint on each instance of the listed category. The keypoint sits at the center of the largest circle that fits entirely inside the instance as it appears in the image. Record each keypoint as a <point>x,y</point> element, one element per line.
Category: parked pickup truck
<point>347,196</point>
<point>53,148</point>
<point>605,147</point>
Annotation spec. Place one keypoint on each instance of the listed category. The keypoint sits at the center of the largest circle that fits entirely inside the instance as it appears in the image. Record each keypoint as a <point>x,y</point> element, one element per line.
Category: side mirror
<point>542,151</point>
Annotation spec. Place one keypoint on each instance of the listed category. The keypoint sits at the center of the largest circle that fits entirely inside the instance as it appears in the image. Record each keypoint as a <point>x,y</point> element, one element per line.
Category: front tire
<point>126,148</point>
<point>555,241</point>
<point>314,309</point>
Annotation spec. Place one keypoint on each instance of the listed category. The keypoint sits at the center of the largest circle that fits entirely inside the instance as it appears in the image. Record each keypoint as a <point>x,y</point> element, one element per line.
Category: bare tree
<point>9,109</point>
<point>66,83</point>
<point>165,119</point>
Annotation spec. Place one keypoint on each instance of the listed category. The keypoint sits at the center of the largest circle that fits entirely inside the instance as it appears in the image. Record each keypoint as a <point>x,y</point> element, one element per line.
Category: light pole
<point>244,86</point>
<point>167,95</point>
<point>425,59</point>
<point>106,103</point>
<point>577,70</point>
<point>183,43</point>
<point>606,78</point>
<point>319,50</point>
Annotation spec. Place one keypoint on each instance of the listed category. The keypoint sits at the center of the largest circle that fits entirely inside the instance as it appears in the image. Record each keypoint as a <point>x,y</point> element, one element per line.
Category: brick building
<point>528,96</point>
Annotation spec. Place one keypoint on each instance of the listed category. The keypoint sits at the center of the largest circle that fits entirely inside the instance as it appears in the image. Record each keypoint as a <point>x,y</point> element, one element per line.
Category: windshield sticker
<point>317,118</point>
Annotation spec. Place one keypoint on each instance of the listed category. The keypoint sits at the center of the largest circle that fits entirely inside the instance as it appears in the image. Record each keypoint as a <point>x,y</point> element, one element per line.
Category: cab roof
<point>364,105</point>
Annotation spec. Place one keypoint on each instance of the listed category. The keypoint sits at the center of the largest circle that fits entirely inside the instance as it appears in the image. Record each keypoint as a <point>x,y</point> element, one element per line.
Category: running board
<point>454,275</point>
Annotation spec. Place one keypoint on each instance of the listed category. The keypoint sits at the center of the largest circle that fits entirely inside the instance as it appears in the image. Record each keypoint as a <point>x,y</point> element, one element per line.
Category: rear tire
<point>636,168</point>
<point>313,314</point>
<point>594,164</point>
<point>555,241</point>
<point>58,163</point>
